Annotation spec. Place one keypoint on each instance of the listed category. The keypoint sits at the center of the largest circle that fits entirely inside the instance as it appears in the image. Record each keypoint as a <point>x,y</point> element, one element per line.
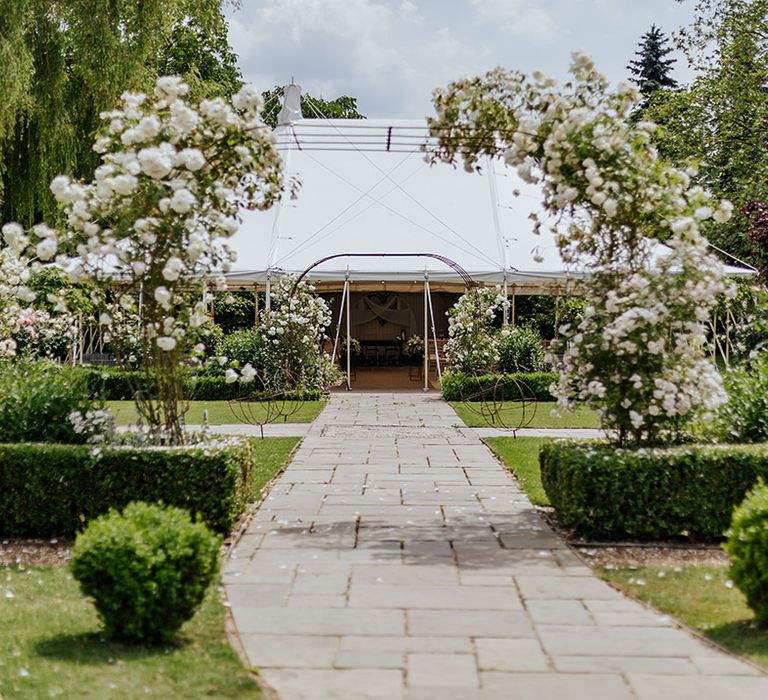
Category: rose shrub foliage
<point>157,213</point>
<point>637,355</point>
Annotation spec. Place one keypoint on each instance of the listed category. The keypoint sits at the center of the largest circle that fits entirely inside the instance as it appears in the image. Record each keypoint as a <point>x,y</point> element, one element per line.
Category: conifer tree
<point>652,69</point>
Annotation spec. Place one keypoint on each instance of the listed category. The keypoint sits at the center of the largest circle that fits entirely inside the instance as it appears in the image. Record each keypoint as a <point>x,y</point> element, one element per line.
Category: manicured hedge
<point>113,383</point>
<point>118,384</point>
<point>208,388</point>
<point>686,491</point>
<point>495,387</point>
<point>49,489</point>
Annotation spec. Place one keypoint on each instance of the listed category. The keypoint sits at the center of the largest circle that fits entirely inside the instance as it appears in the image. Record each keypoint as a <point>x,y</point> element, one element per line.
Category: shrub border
<point>51,489</point>
<point>687,491</point>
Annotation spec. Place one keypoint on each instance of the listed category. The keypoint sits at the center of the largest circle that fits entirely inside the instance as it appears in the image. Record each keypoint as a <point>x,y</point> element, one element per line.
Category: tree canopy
<point>343,107</point>
<point>718,121</point>
<point>65,61</point>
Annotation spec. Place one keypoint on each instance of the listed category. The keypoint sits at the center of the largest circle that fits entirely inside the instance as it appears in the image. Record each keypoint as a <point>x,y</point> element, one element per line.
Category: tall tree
<point>343,107</point>
<point>65,61</point>
<point>200,51</point>
<point>717,122</point>
<point>652,70</point>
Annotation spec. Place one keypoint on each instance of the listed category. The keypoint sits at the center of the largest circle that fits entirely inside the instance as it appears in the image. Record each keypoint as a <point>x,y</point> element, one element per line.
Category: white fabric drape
<point>393,309</point>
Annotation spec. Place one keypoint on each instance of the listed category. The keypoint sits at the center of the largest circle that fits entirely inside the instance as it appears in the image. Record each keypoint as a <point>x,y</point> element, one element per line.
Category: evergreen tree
<point>718,121</point>
<point>652,69</point>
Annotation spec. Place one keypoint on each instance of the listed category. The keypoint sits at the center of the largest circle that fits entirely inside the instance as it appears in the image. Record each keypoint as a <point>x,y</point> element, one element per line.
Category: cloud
<point>390,54</point>
<point>519,17</point>
<point>384,53</point>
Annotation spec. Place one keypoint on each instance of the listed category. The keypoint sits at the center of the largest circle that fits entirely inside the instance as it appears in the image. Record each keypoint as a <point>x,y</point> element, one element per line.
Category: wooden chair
<point>391,356</point>
<point>432,364</point>
<point>371,355</point>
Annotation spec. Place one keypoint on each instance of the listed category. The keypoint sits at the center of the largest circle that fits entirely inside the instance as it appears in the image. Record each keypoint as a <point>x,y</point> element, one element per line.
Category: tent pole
<point>426,332</point>
<point>349,338</point>
<point>505,323</point>
<point>268,297</point>
<point>434,331</point>
<point>514,312</point>
<point>341,318</point>
<point>256,304</point>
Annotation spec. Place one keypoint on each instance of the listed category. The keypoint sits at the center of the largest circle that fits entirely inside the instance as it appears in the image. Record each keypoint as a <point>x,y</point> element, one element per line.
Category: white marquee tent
<point>365,188</point>
<point>371,214</point>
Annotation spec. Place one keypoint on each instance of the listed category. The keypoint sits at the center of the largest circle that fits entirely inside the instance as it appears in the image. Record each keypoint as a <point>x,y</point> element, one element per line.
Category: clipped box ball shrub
<point>147,569</point>
<point>608,493</point>
<point>54,489</point>
<point>747,546</point>
<point>458,386</point>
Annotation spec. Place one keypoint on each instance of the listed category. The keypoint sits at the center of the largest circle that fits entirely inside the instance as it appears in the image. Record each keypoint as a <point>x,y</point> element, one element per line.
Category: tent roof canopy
<point>366,188</point>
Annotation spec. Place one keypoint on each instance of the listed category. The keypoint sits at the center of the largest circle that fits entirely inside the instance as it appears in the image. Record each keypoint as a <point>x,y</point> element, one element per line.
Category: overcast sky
<point>390,54</point>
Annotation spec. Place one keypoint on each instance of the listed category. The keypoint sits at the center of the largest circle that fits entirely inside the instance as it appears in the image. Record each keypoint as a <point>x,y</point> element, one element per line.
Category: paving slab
<point>395,558</point>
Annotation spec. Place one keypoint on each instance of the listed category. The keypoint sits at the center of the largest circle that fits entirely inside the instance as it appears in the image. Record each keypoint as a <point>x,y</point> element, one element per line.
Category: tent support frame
<point>434,329</point>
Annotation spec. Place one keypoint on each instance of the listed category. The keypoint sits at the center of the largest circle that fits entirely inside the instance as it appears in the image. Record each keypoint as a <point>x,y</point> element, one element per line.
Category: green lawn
<point>221,413</point>
<point>270,455</point>
<point>511,414</point>
<point>699,597</point>
<point>521,455</point>
<point>51,646</point>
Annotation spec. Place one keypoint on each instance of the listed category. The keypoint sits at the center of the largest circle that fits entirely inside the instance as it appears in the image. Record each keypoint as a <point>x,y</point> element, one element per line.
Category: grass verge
<point>702,597</point>
<point>521,456</point>
<point>270,455</point>
<point>52,646</point>
<point>221,413</point>
<point>51,643</point>
<point>511,414</point>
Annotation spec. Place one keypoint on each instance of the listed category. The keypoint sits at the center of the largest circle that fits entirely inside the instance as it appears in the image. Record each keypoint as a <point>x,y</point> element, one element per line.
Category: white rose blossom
<point>165,196</point>
<point>639,355</point>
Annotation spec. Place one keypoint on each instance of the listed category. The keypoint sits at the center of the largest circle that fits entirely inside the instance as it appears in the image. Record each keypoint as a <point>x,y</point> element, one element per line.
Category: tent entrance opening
<point>387,327</point>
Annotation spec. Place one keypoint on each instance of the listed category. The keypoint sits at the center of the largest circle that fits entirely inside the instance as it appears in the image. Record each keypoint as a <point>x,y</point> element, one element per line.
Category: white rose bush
<point>473,339</point>
<point>24,326</point>
<point>153,223</point>
<point>292,331</point>
<point>638,354</point>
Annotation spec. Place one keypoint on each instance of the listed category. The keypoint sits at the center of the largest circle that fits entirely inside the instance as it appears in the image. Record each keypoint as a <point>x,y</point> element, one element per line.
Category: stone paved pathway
<point>396,559</point>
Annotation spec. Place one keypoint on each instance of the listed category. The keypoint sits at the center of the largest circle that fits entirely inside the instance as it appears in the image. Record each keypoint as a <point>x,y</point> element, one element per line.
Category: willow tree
<point>66,61</point>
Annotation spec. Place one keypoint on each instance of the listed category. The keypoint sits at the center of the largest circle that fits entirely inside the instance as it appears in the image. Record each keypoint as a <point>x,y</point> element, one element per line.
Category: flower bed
<point>51,489</point>
<point>686,491</point>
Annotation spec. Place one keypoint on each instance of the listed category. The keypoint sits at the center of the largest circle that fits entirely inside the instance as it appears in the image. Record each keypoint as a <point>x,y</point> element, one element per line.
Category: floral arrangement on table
<point>638,353</point>
<point>414,347</point>
<point>355,347</point>
<point>155,217</point>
